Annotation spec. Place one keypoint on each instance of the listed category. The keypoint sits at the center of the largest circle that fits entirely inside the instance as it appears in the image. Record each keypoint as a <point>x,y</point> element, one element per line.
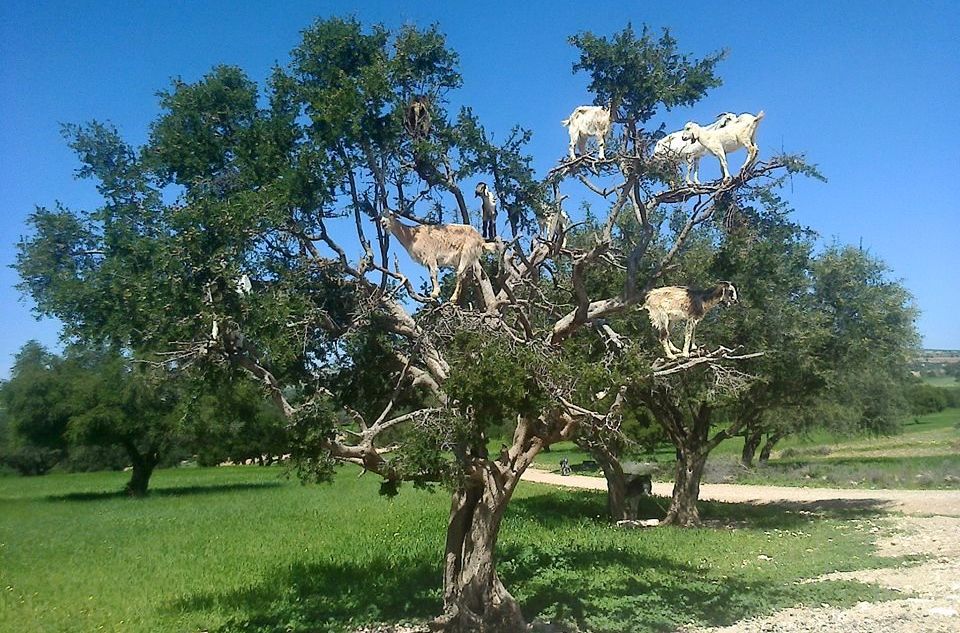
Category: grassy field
<point>925,455</point>
<point>243,549</point>
<point>941,381</point>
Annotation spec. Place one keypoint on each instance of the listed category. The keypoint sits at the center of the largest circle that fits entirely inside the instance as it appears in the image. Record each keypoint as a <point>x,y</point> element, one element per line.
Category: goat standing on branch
<point>458,246</point>
<point>736,134</point>
<point>681,302</point>
<point>488,211</point>
<point>587,121</point>
<point>674,148</point>
<point>416,118</point>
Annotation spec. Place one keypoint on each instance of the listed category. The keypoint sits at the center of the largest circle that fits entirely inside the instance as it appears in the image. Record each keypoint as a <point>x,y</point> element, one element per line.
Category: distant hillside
<point>937,362</point>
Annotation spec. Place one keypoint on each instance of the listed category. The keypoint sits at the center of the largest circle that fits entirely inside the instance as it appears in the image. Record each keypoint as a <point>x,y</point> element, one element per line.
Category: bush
<point>925,399</point>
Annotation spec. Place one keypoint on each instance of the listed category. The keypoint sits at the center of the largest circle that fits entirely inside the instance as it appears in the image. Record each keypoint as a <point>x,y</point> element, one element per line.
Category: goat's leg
<point>693,169</point>
<point>752,151</point>
<point>665,341</point>
<point>582,144</point>
<point>436,284</point>
<point>722,157</point>
<point>462,269</point>
<point>600,145</point>
<point>688,336</point>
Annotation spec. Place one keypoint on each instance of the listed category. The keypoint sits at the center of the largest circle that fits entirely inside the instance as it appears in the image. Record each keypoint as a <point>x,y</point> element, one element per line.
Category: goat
<point>674,148</point>
<point>681,302</point>
<point>553,223</point>
<point>587,121</point>
<point>488,211</point>
<point>416,118</point>
<point>729,138</point>
<point>457,246</point>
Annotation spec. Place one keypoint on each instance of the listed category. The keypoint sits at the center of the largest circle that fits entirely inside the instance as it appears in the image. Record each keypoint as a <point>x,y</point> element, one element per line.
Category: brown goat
<point>672,303</point>
<point>457,246</point>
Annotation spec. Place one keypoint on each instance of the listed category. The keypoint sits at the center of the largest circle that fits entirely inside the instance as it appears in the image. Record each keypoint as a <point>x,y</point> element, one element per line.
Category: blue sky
<point>868,91</point>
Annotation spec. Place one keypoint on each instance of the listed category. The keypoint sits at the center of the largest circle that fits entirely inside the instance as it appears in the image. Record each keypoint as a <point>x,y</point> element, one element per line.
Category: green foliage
<point>643,71</point>
<point>492,381</point>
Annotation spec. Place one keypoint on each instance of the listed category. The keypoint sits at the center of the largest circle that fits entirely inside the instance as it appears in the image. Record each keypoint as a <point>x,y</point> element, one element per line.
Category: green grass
<point>941,381</point>
<point>241,549</point>
<point>926,455</point>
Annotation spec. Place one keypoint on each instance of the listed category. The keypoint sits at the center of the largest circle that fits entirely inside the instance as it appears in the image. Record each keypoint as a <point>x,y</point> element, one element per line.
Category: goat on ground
<point>457,246</point>
<point>736,134</point>
<point>488,211</point>
<point>587,121</point>
<point>672,303</point>
<point>673,148</point>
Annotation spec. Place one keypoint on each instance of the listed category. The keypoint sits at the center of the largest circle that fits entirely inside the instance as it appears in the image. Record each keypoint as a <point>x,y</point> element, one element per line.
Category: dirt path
<point>913,502</point>
<point>931,587</point>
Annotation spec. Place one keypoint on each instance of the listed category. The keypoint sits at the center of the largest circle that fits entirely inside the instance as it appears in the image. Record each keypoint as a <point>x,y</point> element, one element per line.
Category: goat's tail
<point>760,115</point>
<point>566,122</point>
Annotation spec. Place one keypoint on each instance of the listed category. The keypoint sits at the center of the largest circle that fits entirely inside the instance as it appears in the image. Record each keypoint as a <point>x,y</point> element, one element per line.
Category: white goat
<point>672,303</point>
<point>587,121</point>
<point>729,138</point>
<point>456,246</point>
<point>673,148</point>
<point>554,222</point>
<point>488,210</point>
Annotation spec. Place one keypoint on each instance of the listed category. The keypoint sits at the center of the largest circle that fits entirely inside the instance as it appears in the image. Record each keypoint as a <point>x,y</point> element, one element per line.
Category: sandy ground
<point>912,502</point>
<point>920,523</point>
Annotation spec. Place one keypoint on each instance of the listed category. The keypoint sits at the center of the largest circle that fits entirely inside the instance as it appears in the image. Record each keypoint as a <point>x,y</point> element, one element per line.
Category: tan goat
<point>672,303</point>
<point>457,246</point>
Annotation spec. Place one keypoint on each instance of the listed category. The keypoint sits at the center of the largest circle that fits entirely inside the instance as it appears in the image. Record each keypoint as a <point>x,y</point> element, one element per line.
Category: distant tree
<point>120,403</point>
<point>233,421</point>
<point>93,398</point>
<point>37,408</point>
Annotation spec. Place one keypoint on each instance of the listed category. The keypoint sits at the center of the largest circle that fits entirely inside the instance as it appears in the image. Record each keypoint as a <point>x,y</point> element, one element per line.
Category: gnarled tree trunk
<point>751,442</point>
<point>474,599</point>
<point>143,465</point>
<point>686,489</point>
<point>772,440</point>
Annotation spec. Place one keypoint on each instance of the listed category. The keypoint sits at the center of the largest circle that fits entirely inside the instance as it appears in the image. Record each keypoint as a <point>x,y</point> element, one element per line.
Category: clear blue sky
<point>869,91</point>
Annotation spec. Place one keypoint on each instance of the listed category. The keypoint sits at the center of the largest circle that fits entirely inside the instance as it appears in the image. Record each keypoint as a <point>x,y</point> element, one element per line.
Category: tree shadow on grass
<point>558,507</point>
<point>176,491</point>
<point>597,580</point>
<point>328,597</point>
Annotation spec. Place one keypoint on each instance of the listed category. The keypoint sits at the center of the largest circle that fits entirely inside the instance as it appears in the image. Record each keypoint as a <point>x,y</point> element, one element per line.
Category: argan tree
<point>286,187</point>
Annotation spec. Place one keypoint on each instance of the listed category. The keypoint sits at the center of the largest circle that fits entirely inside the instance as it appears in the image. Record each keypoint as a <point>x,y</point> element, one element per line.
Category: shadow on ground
<point>557,565</point>
<point>327,597</point>
<point>176,491</point>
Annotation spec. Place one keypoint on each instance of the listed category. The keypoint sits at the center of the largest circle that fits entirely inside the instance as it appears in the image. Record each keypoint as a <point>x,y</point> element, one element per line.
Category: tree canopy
<point>284,185</point>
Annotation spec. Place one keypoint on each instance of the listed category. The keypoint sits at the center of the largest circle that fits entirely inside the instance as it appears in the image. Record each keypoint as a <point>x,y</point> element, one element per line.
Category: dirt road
<point>912,502</point>
<point>931,586</point>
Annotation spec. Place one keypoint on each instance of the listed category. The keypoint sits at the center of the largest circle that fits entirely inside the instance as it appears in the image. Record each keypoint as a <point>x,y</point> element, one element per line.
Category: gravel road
<point>913,502</point>
<point>931,587</point>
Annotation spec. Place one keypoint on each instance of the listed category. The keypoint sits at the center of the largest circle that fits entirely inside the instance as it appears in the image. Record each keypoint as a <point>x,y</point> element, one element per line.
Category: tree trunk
<point>686,489</point>
<point>609,461</point>
<point>143,465</point>
<point>140,477</point>
<point>772,440</point>
<point>474,598</point>
<point>751,442</point>
<point>617,507</point>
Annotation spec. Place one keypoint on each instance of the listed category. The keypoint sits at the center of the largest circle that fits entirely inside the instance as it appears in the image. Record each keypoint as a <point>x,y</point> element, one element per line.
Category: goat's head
<point>481,189</point>
<point>387,221</point>
<point>691,132</point>
<point>729,292</point>
<point>725,118</point>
